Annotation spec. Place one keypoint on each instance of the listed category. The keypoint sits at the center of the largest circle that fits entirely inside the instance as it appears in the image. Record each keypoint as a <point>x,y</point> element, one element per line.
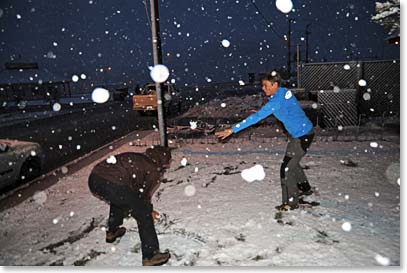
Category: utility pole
<point>157,55</point>
<point>307,33</point>
<point>289,48</point>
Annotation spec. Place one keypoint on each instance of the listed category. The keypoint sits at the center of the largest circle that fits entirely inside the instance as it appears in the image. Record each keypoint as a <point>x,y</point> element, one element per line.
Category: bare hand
<point>224,134</point>
<point>156,216</point>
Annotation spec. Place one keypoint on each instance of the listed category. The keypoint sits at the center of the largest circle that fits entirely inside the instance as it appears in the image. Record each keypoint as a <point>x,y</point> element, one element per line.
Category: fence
<point>380,96</point>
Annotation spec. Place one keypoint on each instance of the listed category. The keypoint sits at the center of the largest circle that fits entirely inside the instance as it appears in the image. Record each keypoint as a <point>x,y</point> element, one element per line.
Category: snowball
<point>340,128</point>
<point>241,82</point>
<point>346,67</point>
<point>83,76</point>
<point>40,197</point>
<point>376,194</point>
<point>189,190</point>
<point>373,144</point>
<point>193,124</point>
<point>366,96</point>
<point>288,95</point>
<point>78,147</point>
<point>111,159</point>
<point>254,173</point>
<point>56,107</point>
<point>33,153</point>
<point>347,226</point>
<point>223,105</point>
<point>362,83</point>
<point>18,16</point>
<point>55,221</point>
<point>184,161</point>
<point>159,73</point>
<point>382,260</point>
<point>274,73</point>
<point>71,214</point>
<point>285,6</point>
<point>100,95</point>
<point>75,78</point>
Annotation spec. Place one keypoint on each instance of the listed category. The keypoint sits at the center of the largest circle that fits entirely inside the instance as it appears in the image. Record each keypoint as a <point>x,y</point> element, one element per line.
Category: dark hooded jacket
<point>138,172</point>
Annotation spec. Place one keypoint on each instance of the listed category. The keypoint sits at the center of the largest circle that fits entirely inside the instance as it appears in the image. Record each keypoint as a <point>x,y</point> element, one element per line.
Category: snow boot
<point>158,258</point>
<point>287,207</point>
<point>115,233</point>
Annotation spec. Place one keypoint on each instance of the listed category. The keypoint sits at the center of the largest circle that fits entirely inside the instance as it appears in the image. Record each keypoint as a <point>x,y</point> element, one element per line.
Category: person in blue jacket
<point>285,107</point>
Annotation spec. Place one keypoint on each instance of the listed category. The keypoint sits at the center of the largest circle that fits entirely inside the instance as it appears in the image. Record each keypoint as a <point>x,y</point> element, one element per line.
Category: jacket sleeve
<point>154,181</point>
<point>268,109</point>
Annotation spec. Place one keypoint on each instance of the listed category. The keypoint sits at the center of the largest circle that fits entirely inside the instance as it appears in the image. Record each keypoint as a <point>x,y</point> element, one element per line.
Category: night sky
<point>85,36</point>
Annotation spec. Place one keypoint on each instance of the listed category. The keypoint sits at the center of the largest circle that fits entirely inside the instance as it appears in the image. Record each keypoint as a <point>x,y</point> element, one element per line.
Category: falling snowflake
<point>100,95</point>
<point>347,226</point>
<point>366,96</point>
<point>223,105</point>
<point>193,125</point>
<point>362,83</point>
<point>64,170</point>
<point>225,43</point>
<point>111,159</point>
<point>285,6</point>
<point>346,67</point>
<point>40,197</point>
<point>75,78</point>
<point>56,107</point>
<point>184,161</point>
<point>374,144</point>
<point>189,190</point>
<point>159,73</point>
<point>382,260</point>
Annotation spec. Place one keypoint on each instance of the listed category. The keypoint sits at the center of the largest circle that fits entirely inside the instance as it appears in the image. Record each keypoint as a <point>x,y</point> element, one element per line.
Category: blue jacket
<point>285,107</point>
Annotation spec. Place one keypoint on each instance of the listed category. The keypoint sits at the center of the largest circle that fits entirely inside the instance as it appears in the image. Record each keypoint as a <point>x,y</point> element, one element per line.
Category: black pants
<point>291,174</point>
<point>123,200</point>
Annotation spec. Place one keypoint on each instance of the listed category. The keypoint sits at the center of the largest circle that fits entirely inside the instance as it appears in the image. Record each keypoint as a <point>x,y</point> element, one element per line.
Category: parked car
<point>19,161</point>
<point>146,101</point>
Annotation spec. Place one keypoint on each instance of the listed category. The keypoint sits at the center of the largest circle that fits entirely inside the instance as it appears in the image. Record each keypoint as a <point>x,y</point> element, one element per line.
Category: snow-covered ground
<point>211,216</point>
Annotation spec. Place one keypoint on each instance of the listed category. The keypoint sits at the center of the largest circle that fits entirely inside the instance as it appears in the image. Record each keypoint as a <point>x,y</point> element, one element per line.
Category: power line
<point>269,24</point>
